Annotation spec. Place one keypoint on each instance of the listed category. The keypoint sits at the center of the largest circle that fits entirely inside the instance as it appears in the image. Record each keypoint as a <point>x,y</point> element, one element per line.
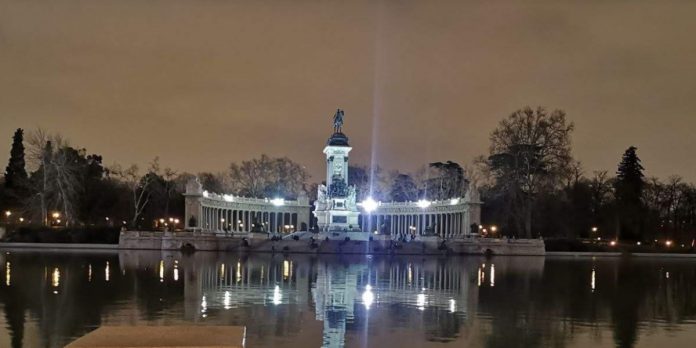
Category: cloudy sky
<point>203,83</point>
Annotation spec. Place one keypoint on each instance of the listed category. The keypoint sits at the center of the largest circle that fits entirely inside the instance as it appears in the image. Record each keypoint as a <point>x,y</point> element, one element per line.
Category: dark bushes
<point>81,235</point>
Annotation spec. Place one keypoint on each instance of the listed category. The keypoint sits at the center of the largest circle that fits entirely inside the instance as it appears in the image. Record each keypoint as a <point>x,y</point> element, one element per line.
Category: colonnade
<point>234,220</point>
<point>445,225</point>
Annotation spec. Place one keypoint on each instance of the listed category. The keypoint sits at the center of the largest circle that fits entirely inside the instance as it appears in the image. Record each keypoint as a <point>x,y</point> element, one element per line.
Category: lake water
<point>49,298</point>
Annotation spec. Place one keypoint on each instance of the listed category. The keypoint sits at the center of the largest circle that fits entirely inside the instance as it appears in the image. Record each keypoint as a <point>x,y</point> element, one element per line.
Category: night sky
<point>204,83</point>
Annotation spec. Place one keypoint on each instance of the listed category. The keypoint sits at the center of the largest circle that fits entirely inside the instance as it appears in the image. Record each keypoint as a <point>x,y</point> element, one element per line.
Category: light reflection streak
<point>55,277</point>
<point>368,297</point>
<point>8,275</point>
<point>89,273</point>
<point>452,305</point>
<point>204,305</point>
<point>161,271</point>
<point>420,301</point>
<point>492,280</point>
<point>107,271</point>
<point>239,272</point>
<point>592,280</point>
<point>227,299</point>
<point>276,295</point>
<point>176,272</point>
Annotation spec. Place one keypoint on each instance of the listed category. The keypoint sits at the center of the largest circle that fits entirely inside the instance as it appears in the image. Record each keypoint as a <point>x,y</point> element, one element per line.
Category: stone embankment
<point>308,244</point>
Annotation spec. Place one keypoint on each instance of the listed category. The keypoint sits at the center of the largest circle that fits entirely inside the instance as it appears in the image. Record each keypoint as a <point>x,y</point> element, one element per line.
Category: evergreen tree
<point>629,186</point>
<point>15,173</point>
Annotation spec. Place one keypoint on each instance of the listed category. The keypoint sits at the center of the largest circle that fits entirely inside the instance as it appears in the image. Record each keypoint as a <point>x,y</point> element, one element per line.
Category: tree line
<point>529,181</point>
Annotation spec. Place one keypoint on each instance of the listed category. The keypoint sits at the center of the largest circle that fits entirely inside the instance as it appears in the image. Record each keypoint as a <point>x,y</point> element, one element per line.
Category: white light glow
<point>276,295</point>
<point>55,278</point>
<point>161,271</point>
<point>423,203</point>
<point>8,274</point>
<point>592,280</point>
<point>454,201</point>
<point>205,194</point>
<point>107,272</point>
<point>369,205</point>
<point>420,301</point>
<point>226,300</point>
<point>452,305</point>
<point>277,202</point>
<point>492,276</point>
<point>204,304</point>
<point>368,297</point>
<point>228,198</point>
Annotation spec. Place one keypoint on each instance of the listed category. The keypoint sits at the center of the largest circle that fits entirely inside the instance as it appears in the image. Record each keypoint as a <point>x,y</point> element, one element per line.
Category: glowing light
<point>222,270</point>
<point>89,272</point>
<point>410,274</point>
<point>423,203</point>
<point>205,194</point>
<point>286,269</point>
<point>222,220</point>
<point>480,276</point>
<point>55,278</point>
<point>454,201</point>
<point>107,272</point>
<point>106,218</point>
<point>226,300</point>
<point>161,271</point>
<point>55,215</point>
<point>228,198</point>
<point>668,243</point>
<point>637,243</point>
<point>595,229</point>
<point>161,221</point>
<point>176,273</point>
<point>276,295</point>
<point>278,201</point>
<point>368,297</point>
<point>8,213</point>
<point>420,301</point>
<point>592,280</point>
<point>58,221</point>
<point>452,305</point>
<point>204,304</point>
<point>239,272</point>
<point>369,205</point>
<point>492,277</point>
<point>612,243</point>
<point>8,275</point>
<point>21,219</point>
<point>667,275</point>
<point>494,228</point>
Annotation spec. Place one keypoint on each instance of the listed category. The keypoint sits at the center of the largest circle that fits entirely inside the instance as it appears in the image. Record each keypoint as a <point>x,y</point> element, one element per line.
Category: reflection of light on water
<point>227,299</point>
<point>481,274</point>
<point>410,273</point>
<point>592,280</point>
<point>204,305</point>
<point>420,301</point>
<point>452,305</point>
<point>286,269</point>
<point>239,272</point>
<point>222,271</point>
<point>276,295</point>
<point>667,275</point>
<point>89,272</point>
<point>8,276</point>
<point>176,272</point>
<point>161,271</point>
<point>55,277</point>
<point>368,297</point>
<point>492,275</point>
<point>107,272</point>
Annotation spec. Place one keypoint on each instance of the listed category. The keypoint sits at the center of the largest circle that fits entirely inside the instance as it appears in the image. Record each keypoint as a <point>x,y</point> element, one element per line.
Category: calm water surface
<point>47,299</point>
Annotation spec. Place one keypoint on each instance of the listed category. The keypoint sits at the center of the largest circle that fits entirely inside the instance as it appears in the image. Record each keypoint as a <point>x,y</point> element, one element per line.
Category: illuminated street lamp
<point>668,243</point>
<point>55,215</point>
<point>494,228</point>
<point>595,229</point>
<point>8,213</point>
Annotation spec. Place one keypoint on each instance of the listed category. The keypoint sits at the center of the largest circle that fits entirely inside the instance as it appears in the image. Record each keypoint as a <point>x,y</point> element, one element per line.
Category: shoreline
<point>111,248</point>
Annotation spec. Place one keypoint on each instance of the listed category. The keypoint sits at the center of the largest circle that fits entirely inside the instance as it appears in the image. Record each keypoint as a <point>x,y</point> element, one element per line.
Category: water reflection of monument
<point>342,292</point>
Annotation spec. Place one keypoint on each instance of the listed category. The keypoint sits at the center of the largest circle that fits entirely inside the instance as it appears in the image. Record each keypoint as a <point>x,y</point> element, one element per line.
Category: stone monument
<point>335,208</point>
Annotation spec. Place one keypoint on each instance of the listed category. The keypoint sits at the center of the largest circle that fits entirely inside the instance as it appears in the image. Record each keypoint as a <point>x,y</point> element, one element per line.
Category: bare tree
<point>529,151</point>
<point>56,183</point>
<point>138,185</point>
<point>266,176</point>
